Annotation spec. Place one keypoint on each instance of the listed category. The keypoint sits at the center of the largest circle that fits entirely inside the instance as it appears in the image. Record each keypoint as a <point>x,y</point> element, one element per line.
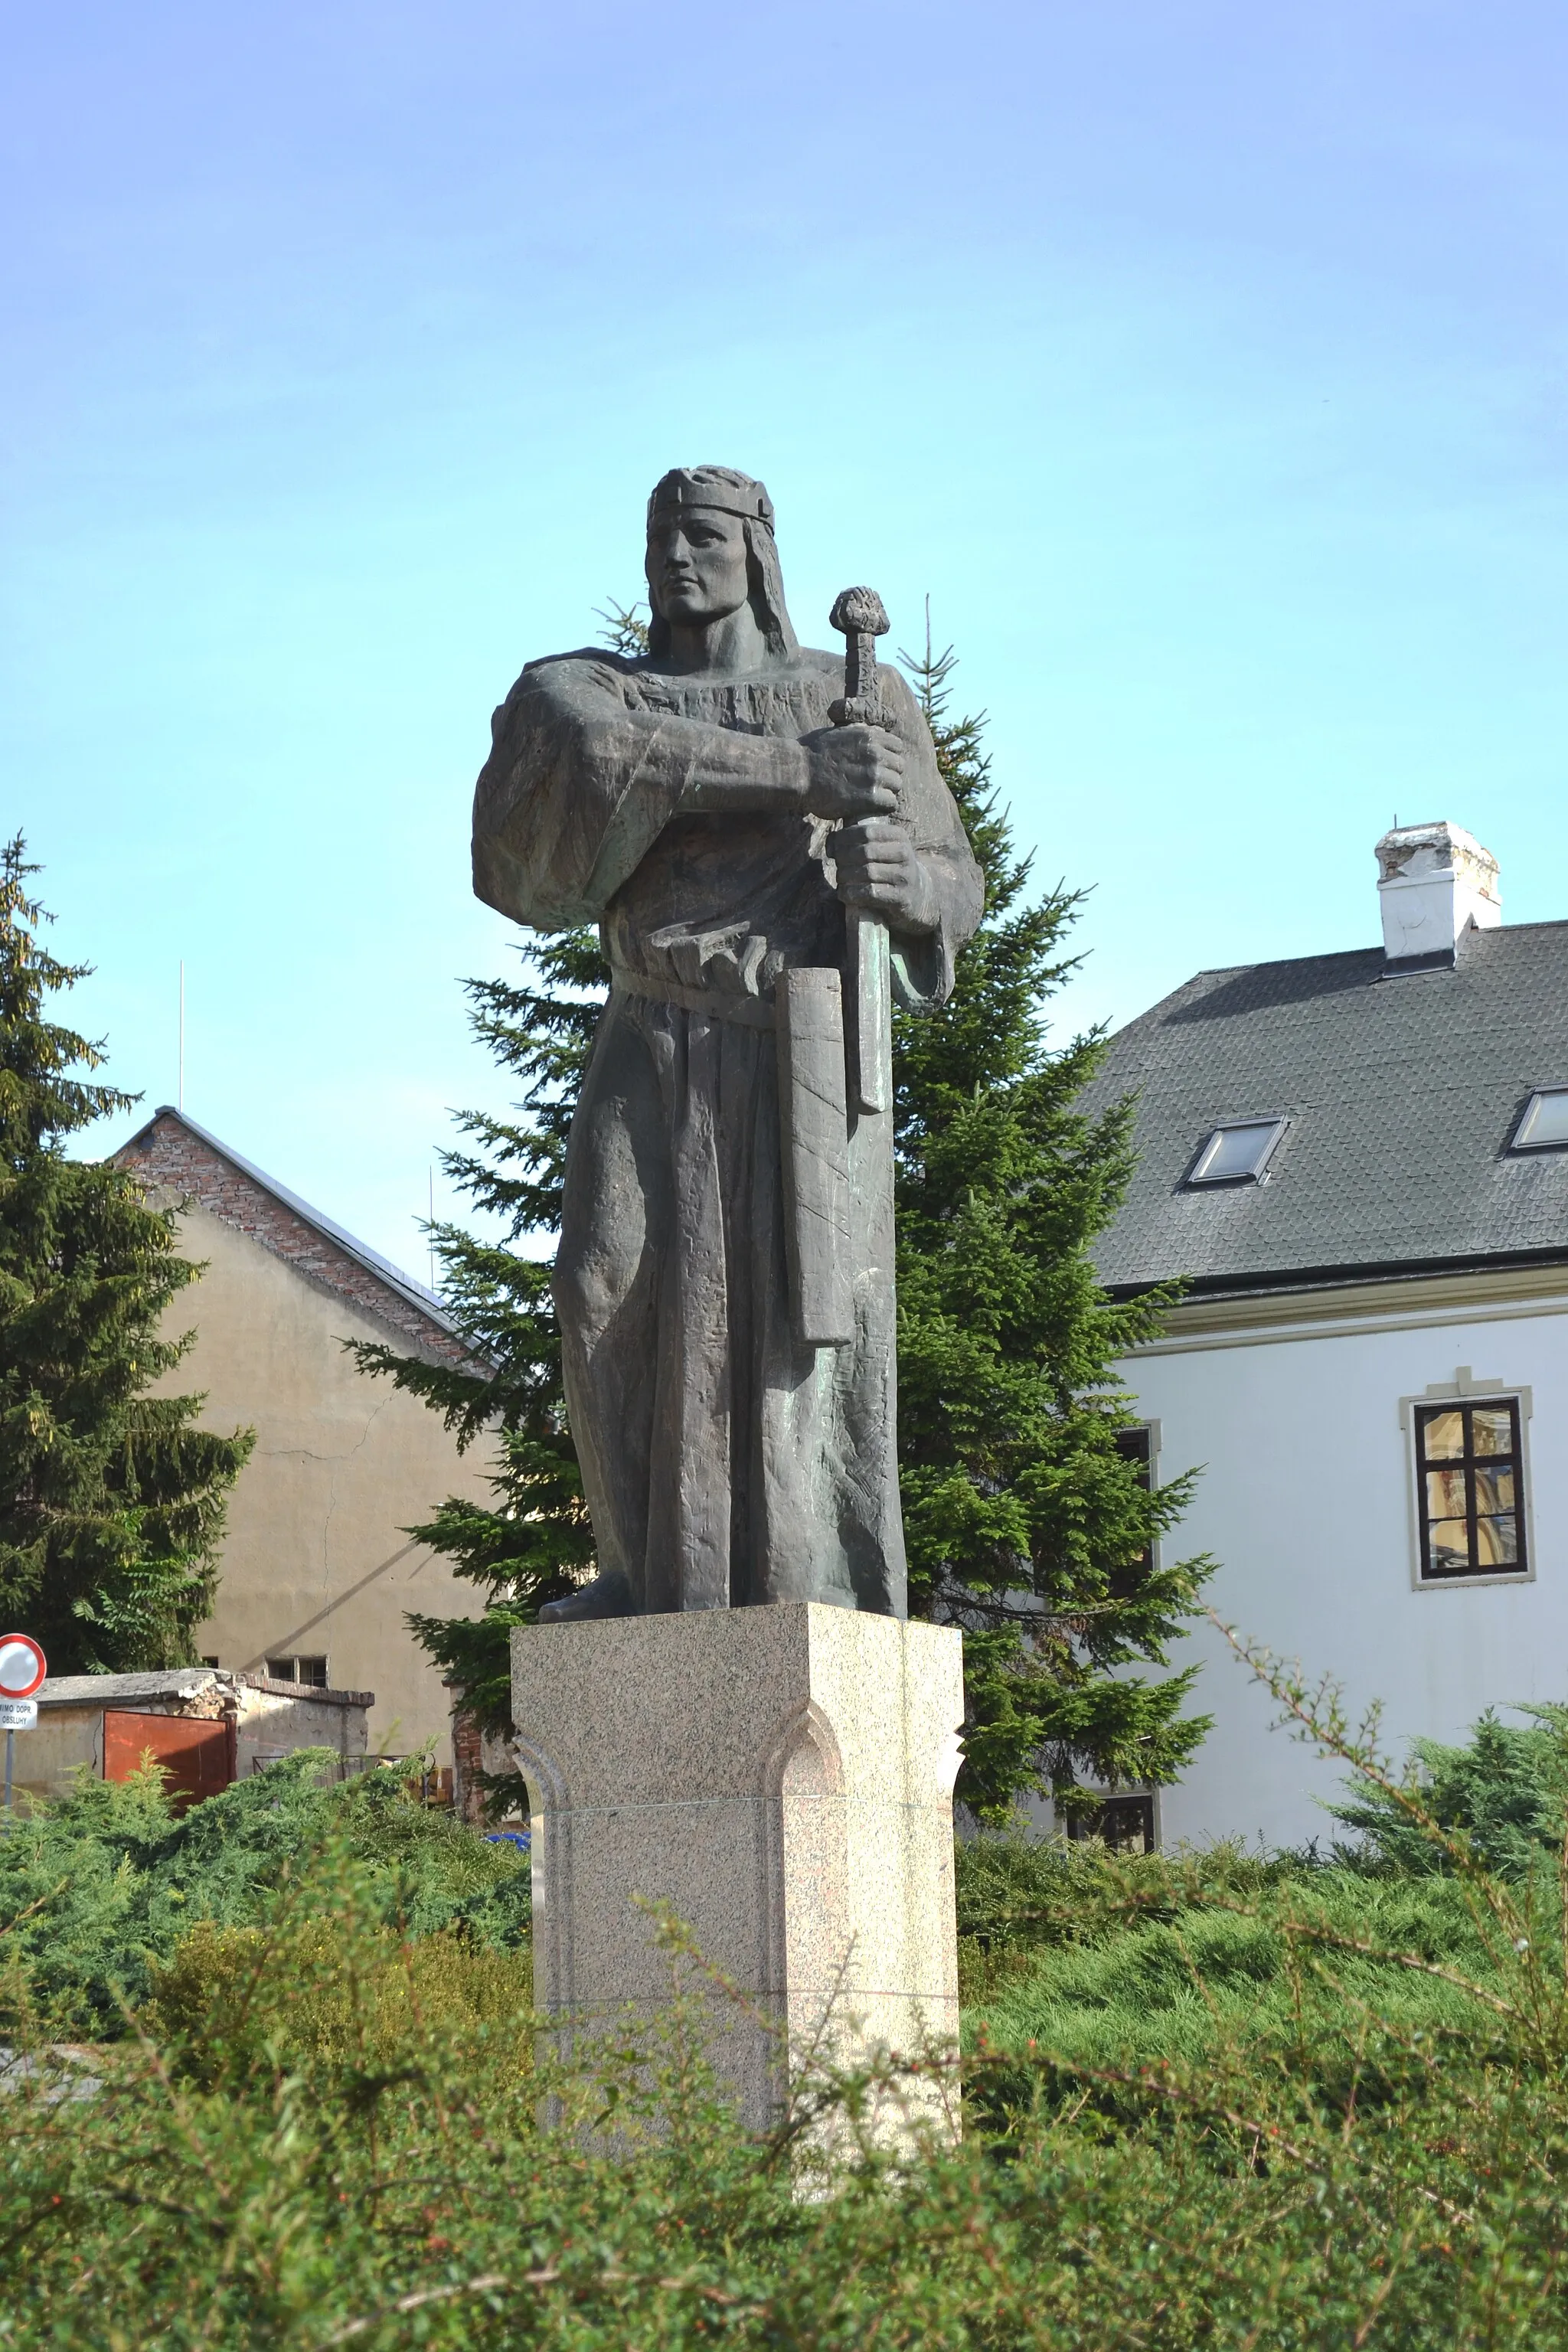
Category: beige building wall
<point>315,1563</point>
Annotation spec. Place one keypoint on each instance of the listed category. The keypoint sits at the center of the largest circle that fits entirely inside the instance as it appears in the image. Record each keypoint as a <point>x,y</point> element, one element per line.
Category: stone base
<point>783,1778</point>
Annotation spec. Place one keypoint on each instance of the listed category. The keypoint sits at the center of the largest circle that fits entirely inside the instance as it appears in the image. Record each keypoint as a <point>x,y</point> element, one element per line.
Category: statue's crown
<point>712,486</point>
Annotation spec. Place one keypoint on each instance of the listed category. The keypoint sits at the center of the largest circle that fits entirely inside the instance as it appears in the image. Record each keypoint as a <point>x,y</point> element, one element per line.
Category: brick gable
<point>171,1155</point>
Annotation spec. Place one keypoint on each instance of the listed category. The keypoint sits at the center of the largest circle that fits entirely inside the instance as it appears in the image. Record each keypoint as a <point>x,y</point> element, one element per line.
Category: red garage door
<point>195,1757</point>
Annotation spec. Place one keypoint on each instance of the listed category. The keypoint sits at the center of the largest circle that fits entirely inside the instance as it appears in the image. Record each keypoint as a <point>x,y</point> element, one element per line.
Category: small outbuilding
<point>206,1726</point>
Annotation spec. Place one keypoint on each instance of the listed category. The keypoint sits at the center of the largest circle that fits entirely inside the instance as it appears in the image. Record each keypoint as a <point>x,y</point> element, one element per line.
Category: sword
<point>860,617</point>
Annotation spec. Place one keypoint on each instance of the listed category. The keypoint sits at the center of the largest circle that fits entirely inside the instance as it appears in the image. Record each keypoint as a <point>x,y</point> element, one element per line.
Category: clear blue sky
<point>1206,363</point>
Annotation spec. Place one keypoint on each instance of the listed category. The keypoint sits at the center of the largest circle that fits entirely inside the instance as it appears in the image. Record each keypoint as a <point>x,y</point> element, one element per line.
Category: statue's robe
<point>724,1461</point>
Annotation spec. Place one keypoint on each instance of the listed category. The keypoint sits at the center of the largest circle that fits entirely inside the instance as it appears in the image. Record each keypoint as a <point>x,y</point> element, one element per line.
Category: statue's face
<point>696,564</point>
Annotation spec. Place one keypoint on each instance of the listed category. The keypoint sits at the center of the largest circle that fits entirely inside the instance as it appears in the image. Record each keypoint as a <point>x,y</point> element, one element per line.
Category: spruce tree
<point>1029,1521</point>
<point>1028,1516</point>
<point>111,1500</point>
<point>534,1541</point>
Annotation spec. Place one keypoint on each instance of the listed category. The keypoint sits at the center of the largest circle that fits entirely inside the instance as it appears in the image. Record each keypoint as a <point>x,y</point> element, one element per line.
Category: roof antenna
<point>180,1091</point>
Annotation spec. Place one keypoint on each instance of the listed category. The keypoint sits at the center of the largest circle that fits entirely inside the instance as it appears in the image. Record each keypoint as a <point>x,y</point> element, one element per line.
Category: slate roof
<point>1402,1094</point>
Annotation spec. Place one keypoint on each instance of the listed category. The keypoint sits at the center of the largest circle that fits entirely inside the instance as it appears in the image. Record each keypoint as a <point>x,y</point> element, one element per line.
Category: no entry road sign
<point>23,1666</point>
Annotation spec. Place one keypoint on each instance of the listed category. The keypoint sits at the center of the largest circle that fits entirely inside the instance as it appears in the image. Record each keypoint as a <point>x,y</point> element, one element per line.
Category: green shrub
<point>95,1888</point>
<point>1504,1793</point>
<point>335,1989</point>
<point>1216,2103</point>
<point>1110,1961</point>
<point>1210,1971</point>
<point>1018,1897</point>
<point>382,2180</point>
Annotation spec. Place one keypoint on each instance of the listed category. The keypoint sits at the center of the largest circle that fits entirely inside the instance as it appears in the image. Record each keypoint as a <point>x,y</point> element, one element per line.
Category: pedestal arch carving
<point>781,1777</point>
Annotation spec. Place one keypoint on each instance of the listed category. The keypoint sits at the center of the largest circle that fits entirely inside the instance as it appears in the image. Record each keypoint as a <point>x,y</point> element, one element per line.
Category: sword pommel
<point>860,617</point>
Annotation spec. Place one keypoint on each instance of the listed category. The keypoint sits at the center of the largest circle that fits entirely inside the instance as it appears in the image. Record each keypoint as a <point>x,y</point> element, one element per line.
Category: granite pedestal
<point>781,1777</point>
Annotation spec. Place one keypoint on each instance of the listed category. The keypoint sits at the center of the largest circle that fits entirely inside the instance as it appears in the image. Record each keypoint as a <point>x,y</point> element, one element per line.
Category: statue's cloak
<point>725,1461</point>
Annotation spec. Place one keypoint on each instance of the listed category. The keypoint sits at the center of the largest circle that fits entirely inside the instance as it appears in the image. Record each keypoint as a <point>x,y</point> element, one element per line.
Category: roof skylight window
<point>1238,1153</point>
<point>1545,1126</point>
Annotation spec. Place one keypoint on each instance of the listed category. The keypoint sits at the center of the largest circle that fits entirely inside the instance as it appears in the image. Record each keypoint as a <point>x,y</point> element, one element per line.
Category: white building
<point>1360,1164</point>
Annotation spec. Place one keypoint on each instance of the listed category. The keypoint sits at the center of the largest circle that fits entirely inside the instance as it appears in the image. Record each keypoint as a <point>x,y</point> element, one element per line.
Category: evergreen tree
<point>534,1541</point>
<point>1028,1522</point>
<point>111,1501</point>
<point>1028,1518</point>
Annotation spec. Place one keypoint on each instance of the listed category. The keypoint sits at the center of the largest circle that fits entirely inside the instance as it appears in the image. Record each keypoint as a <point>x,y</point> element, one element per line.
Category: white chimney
<point>1433,880</point>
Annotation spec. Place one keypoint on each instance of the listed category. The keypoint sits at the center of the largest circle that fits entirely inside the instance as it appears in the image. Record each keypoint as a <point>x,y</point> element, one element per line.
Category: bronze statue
<point>764,879</point>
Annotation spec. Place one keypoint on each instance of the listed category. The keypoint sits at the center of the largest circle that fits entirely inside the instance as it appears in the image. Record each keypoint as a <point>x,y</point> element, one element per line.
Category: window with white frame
<point>1469,1459</point>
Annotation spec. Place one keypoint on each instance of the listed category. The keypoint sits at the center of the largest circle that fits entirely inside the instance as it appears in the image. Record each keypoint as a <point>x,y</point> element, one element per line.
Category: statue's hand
<point>879,868</point>
<point>853,772</point>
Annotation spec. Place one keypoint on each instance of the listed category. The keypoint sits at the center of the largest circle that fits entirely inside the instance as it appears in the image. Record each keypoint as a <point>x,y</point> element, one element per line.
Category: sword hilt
<point>860,617</point>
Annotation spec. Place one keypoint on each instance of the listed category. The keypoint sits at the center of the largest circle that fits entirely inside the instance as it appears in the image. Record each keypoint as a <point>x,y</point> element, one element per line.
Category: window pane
<point>1443,1435</point>
<point>1126,1823</point>
<point>1450,1548</point>
<point>1446,1496</point>
<point>1497,1542</point>
<point>1237,1150</point>
<point>1545,1121</point>
<point>1493,1426</point>
<point>1494,1489</point>
<point>1472,1488</point>
<point>1132,1445</point>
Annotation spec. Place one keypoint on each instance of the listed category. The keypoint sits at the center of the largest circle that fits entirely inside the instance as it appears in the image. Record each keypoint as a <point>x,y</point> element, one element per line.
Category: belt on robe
<point>808,1015</point>
<point>749,1012</point>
